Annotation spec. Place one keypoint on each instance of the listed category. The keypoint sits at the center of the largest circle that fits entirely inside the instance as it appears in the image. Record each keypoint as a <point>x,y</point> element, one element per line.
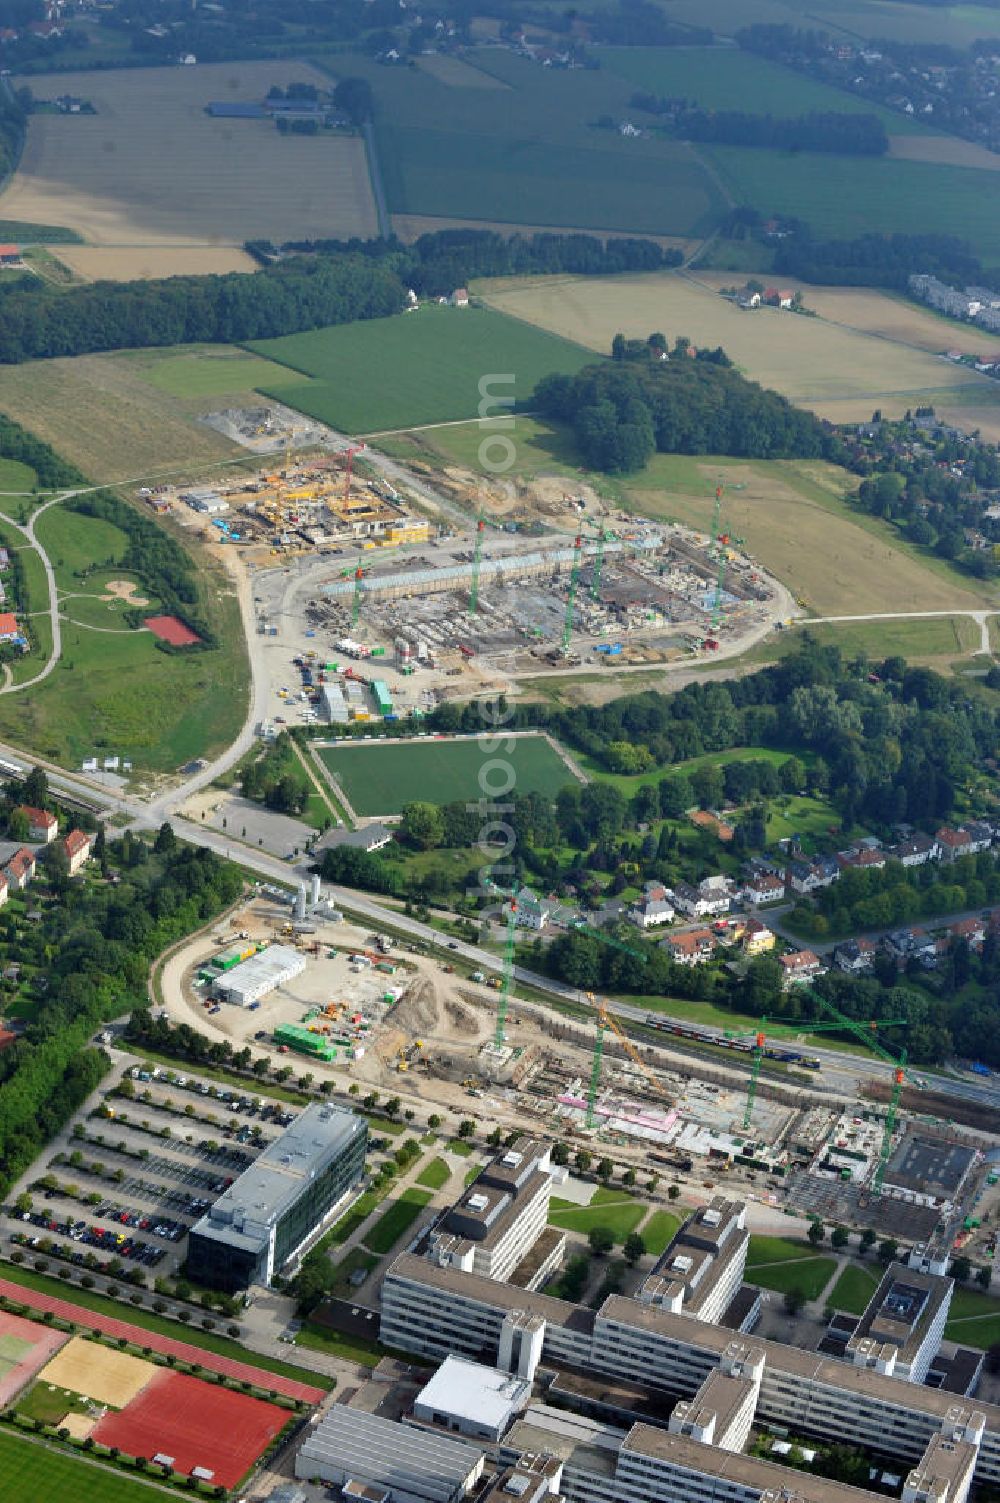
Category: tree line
<point>302,293</point>
<point>850,134</point>
<point>624,412</point>
<point>17,443</point>
<point>93,946</point>
<point>876,260</point>
<point>437,263</point>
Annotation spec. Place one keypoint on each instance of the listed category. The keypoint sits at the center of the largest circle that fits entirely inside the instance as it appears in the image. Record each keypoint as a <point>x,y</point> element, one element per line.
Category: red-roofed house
<point>4,890</point>
<point>953,843</point>
<point>77,845</point>
<point>803,965</point>
<point>757,937</point>
<point>10,255</point>
<point>20,869</point>
<point>692,948</point>
<point>41,824</point>
<point>7,1038</point>
<point>9,629</point>
<point>972,930</point>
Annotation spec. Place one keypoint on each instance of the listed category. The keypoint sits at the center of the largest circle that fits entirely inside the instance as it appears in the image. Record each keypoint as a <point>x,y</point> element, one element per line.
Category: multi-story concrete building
<point>473,1400</point>
<point>260,1222</point>
<point>702,1268</point>
<point>432,1310</point>
<point>499,1228</point>
<point>721,1412</point>
<point>903,1325</point>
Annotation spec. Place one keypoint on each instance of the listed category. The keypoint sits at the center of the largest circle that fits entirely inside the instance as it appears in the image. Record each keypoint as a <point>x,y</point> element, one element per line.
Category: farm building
<point>10,255</point>
<point>260,974</point>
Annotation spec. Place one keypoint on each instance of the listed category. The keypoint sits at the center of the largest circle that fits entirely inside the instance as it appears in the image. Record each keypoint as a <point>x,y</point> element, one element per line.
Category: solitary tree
<point>634,1248</point>
<point>816,1233</point>
<point>794,1300</point>
<point>601,1239</point>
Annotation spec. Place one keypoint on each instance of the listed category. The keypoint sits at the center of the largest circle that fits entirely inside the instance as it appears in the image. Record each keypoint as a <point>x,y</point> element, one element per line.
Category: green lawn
<point>730,79</point>
<point>854,1289</point>
<point>627,783</point>
<point>78,545</point>
<point>395,1220</point>
<point>26,233</point>
<point>414,368</point>
<point>118,691</point>
<point>15,476</point>
<point>846,196</point>
<point>974,1319</point>
<point>31,1472</point>
<point>462,1148</point>
<point>213,371</point>
<point>808,1274</point>
<point>149,1321</point>
<point>434,1175</point>
<point>808,817</point>
<point>619,1212</point>
<point>349,1223</point>
<point>49,1404</point>
<point>351,1349</point>
<point>658,1231</point>
<point>777,1250</point>
<point>378,778</point>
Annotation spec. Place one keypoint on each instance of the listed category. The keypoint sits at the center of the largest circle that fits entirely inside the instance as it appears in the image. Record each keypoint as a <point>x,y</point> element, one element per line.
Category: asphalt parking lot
<point>130,1176</point>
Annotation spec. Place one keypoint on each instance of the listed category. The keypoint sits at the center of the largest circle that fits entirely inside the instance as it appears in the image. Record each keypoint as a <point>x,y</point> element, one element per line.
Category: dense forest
<point>837,131</point>
<point>89,956</point>
<point>645,402</point>
<point>298,294</point>
<point>876,260</point>
<point>436,264</point>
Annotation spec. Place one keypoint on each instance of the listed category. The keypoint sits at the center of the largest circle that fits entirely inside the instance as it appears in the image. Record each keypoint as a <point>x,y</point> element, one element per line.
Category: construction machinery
<point>607,1020</point>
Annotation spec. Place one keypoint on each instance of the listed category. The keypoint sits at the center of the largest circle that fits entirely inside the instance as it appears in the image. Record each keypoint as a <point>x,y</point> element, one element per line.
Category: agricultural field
<point>221,182</point>
<point>728,79</point>
<point>838,372</point>
<point>846,196</point>
<point>95,263</point>
<point>379,778</point>
<point>957,25</point>
<point>413,368</point>
<point>527,152</point>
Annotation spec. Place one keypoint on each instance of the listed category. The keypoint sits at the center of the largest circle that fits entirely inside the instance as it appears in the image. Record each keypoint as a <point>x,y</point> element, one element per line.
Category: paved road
<point>27,530</point>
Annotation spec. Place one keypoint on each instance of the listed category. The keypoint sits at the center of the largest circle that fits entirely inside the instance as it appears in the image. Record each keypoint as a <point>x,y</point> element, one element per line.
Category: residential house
<point>980,836</point>
<point>41,824</point>
<point>693,947</point>
<point>653,908</point>
<point>9,629</point>
<point>804,877</point>
<point>972,930</point>
<point>10,255</point>
<point>4,890</point>
<point>916,851</point>
<point>762,887</point>
<point>904,945</point>
<point>855,956</point>
<point>460,298</point>
<point>20,869</point>
<point>532,912</point>
<point>861,859</point>
<point>707,900</point>
<point>78,846</point>
<point>953,843</point>
<point>800,966</point>
<point>757,937</point>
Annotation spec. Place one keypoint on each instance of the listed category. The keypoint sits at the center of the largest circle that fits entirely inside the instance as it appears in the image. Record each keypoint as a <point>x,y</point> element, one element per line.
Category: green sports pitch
<point>379,778</point>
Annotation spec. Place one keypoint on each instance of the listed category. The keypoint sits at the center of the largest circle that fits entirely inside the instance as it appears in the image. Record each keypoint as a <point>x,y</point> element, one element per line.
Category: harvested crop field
<point>151,168</point>
<point>98,412</point>
<point>839,373</point>
<point>138,263</point>
<point>789,511</point>
<point>196,1423</point>
<point>98,1373</point>
<point>25,1346</point>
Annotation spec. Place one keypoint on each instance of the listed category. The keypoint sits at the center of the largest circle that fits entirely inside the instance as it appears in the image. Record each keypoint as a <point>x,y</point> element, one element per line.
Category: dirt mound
<point>418,1012</point>
<point>462,1018</point>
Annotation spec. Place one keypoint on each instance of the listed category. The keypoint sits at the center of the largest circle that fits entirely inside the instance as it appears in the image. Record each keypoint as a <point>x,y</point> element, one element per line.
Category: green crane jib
<point>864,1031</point>
<point>574,581</point>
<point>595,1069</point>
<point>476,561</point>
<point>507,979</point>
<point>356,607</point>
<point>718,552</point>
<point>595,586</point>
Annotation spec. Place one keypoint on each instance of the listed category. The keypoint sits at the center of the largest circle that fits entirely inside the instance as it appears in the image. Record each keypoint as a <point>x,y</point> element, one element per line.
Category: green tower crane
<point>507,977</point>
<point>476,561</point>
<point>574,580</point>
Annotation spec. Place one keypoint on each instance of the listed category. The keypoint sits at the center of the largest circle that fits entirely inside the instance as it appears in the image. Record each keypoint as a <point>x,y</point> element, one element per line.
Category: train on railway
<point>737,1046</point>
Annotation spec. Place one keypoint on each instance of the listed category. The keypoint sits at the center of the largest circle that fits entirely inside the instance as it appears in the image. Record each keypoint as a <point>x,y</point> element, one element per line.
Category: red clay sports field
<point>196,1423</point>
<point>171,630</point>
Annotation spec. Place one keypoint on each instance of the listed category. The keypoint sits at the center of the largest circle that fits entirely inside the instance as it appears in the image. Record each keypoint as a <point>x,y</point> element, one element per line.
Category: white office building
<point>902,1327</point>
<point>499,1228</point>
<point>473,1400</point>
<point>702,1268</point>
<point>261,973</point>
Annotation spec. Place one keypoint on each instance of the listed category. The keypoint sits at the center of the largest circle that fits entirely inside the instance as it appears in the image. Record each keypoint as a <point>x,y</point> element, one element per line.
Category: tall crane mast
<point>574,580</point>
<point>607,1020</point>
<point>595,586</point>
<point>359,575</point>
<point>476,560</point>
<point>349,470</point>
<point>507,978</point>
<point>716,551</point>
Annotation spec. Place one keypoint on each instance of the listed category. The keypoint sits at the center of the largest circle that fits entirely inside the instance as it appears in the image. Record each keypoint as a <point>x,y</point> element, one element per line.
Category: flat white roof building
<point>260,974</point>
<point>472,1399</point>
<point>414,1465</point>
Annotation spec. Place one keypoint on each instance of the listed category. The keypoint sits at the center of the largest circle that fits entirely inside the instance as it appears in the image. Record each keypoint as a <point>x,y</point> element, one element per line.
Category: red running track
<point>139,1336</point>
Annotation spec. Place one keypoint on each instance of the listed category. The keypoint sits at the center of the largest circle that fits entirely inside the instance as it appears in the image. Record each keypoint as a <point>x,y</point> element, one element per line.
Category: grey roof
<point>244,1214</point>
<point>373,1449</point>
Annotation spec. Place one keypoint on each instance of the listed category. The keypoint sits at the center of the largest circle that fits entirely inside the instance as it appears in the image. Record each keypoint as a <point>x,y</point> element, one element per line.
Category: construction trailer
<point>304,1041</point>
